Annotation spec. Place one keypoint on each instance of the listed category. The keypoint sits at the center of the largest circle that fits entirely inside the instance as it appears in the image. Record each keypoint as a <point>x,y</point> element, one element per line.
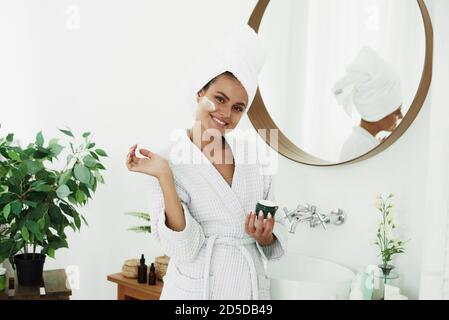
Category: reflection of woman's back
<point>373,88</point>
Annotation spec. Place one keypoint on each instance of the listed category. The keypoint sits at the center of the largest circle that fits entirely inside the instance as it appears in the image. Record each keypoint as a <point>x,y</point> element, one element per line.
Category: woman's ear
<point>199,95</point>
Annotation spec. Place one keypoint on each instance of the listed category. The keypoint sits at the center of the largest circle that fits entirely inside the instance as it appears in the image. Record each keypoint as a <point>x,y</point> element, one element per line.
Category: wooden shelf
<point>55,284</point>
<point>130,289</point>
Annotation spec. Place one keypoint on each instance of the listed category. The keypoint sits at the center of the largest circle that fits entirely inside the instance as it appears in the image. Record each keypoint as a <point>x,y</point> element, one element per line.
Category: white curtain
<point>435,268</point>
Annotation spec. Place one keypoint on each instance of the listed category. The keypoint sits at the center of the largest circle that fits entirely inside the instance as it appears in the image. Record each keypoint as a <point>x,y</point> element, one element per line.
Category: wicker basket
<point>161,266</point>
<point>129,269</point>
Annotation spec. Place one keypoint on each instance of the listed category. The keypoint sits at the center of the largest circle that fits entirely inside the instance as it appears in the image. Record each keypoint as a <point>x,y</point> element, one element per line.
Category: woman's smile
<point>219,122</point>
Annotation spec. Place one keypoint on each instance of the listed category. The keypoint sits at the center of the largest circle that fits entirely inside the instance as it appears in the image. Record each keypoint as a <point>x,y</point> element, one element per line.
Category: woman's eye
<point>238,109</point>
<point>220,99</point>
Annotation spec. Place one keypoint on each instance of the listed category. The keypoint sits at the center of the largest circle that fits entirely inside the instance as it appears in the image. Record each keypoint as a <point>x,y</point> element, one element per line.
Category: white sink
<point>299,277</point>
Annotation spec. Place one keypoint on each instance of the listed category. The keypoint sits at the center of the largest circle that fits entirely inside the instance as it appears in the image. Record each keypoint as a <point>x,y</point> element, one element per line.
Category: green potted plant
<point>38,203</point>
<point>388,245</point>
<point>146,228</point>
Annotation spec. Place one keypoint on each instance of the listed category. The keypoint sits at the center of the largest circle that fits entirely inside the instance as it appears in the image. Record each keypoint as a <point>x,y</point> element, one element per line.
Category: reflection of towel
<point>240,52</point>
<point>371,86</point>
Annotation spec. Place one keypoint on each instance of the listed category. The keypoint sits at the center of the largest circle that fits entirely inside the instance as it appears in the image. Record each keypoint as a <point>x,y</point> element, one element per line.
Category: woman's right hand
<point>151,163</point>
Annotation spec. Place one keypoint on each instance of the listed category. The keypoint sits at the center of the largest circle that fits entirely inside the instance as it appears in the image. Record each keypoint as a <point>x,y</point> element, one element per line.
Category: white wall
<point>435,266</point>
<point>12,27</point>
<point>119,75</point>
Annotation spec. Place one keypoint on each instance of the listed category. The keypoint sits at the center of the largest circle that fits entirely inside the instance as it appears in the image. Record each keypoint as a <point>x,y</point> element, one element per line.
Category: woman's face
<point>230,99</point>
<point>390,122</point>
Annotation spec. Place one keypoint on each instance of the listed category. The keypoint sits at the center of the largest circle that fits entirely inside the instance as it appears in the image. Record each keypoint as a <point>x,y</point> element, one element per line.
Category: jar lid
<point>2,271</point>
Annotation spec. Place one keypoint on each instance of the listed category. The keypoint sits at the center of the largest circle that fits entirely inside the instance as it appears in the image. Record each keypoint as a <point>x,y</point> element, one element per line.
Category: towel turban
<point>371,86</point>
<point>240,52</point>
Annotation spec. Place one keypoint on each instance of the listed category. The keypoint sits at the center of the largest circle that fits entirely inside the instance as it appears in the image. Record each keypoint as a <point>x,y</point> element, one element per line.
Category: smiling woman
<point>202,213</point>
<point>227,113</point>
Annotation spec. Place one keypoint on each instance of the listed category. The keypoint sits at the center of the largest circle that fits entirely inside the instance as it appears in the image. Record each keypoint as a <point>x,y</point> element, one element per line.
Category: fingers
<point>269,225</point>
<point>259,224</point>
<point>247,223</point>
<point>131,157</point>
<point>132,151</point>
<point>146,153</point>
<point>259,228</point>
<point>251,220</point>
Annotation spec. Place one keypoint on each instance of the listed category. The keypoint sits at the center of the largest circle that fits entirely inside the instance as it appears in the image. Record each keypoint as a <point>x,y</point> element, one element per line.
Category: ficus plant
<point>37,202</point>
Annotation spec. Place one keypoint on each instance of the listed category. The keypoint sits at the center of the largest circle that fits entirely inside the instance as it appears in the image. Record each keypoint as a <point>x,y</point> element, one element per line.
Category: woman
<point>373,88</point>
<point>202,210</point>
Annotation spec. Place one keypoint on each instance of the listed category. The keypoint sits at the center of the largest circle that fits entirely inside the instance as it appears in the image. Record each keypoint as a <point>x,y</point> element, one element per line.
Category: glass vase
<point>385,277</point>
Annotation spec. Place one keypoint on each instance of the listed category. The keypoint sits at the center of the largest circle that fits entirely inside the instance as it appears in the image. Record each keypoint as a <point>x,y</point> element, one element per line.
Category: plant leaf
<point>33,226</point>
<point>77,220</point>
<point>142,215</point>
<point>56,149</point>
<point>42,188</point>
<point>64,177</point>
<point>89,161</point>
<point>67,132</point>
<point>13,155</point>
<point>80,196</point>
<point>33,166</point>
<point>101,152</point>
<point>40,139</point>
<point>93,154</point>
<point>25,234</point>
<point>16,207</point>
<point>84,219</point>
<point>51,252</point>
<point>82,173</point>
<point>31,204</point>
<point>63,191</point>
<point>55,214</point>
<point>41,223</point>
<point>141,229</point>
<point>7,211</point>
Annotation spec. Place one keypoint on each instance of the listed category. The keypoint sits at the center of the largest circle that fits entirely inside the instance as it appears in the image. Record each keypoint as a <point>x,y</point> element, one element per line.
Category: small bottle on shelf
<point>152,275</point>
<point>142,271</point>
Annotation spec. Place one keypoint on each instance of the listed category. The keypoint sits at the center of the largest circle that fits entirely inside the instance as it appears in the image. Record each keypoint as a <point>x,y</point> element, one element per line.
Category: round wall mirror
<point>343,79</point>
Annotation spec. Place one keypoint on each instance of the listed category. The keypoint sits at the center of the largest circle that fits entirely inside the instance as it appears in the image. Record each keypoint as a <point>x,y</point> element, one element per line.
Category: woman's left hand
<point>261,229</point>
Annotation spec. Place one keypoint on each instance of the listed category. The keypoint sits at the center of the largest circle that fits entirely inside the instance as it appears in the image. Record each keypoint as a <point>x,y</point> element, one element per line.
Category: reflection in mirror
<point>341,74</point>
<point>373,89</point>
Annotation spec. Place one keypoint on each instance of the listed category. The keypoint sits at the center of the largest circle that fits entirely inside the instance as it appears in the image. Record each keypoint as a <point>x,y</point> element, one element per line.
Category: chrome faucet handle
<point>288,214</point>
<point>303,209</point>
<point>318,216</point>
<point>310,213</point>
<point>338,218</point>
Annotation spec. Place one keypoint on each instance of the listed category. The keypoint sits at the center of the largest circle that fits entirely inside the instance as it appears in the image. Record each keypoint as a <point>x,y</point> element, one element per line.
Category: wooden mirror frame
<point>261,119</point>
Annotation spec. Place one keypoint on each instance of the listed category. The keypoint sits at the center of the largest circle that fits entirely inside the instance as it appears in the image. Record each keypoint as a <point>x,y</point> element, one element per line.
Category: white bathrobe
<point>213,257</point>
<point>358,143</point>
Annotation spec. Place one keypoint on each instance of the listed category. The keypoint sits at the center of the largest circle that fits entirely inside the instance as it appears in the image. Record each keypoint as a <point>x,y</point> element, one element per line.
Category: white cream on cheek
<point>210,105</point>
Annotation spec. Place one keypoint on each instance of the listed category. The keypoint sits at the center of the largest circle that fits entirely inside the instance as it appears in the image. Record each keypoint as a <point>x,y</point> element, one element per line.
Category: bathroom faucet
<point>310,214</point>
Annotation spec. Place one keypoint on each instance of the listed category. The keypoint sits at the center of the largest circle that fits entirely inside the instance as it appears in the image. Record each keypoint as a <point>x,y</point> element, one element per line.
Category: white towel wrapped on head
<point>241,52</point>
<point>371,86</point>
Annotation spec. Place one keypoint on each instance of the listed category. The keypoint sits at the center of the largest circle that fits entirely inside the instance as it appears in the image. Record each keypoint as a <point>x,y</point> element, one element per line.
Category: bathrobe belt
<point>240,244</point>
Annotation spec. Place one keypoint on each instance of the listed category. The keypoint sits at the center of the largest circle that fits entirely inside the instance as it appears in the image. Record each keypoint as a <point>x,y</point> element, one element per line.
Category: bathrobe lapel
<point>226,193</point>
